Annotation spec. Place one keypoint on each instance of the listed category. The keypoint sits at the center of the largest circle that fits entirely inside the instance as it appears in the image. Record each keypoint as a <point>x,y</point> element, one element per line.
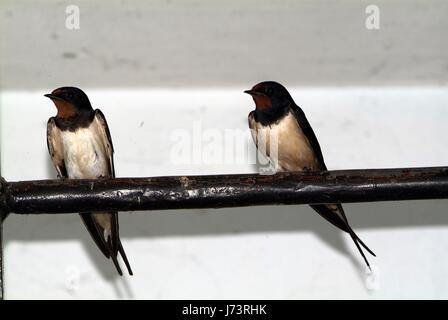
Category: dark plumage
<point>80,147</point>
<point>298,147</point>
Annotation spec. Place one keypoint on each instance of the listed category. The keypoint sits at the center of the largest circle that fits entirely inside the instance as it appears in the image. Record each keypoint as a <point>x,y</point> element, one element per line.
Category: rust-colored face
<point>65,109</point>
<point>261,99</point>
<point>262,102</point>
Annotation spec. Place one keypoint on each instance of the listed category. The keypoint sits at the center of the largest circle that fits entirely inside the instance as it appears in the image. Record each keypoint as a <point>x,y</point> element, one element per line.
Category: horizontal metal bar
<point>218,191</point>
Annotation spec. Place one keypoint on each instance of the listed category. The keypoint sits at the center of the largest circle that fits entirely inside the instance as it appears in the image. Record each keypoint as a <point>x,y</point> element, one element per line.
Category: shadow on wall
<point>174,223</point>
<point>206,222</point>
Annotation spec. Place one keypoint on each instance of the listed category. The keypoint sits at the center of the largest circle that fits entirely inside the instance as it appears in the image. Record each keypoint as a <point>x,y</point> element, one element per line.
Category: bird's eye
<point>269,91</point>
<point>69,95</point>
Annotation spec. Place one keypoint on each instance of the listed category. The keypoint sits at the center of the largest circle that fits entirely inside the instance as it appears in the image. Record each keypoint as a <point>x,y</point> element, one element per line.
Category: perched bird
<point>80,147</point>
<point>276,116</point>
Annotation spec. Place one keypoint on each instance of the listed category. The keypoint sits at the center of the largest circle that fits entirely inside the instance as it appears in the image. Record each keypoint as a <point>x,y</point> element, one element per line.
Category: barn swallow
<point>80,147</point>
<point>276,115</point>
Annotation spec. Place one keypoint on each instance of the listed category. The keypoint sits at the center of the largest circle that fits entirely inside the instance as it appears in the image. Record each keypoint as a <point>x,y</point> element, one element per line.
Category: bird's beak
<point>252,92</point>
<point>52,96</point>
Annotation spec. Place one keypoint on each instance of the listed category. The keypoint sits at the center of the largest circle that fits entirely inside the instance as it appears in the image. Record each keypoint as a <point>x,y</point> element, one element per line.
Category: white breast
<point>84,154</point>
<point>285,144</point>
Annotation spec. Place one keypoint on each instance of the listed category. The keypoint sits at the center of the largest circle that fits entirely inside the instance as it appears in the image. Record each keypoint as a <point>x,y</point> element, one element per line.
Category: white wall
<point>260,252</point>
<point>203,56</point>
<point>179,43</point>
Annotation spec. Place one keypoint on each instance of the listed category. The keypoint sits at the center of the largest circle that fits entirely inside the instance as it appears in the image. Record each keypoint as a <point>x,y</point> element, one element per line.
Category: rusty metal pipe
<point>219,191</point>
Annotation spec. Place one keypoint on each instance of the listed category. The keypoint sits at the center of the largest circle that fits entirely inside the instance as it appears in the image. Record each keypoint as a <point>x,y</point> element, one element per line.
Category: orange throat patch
<point>65,110</point>
<point>262,102</point>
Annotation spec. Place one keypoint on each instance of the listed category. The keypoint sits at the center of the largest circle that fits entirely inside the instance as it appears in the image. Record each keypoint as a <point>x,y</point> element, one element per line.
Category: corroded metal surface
<point>218,191</point>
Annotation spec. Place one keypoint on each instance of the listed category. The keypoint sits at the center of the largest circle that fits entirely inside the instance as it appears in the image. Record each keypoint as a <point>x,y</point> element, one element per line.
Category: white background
<point>375,99</point>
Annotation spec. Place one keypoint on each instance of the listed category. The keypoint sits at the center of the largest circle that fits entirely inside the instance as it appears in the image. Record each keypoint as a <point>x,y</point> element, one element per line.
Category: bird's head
<point>270,96</point>
<point>70,101</point>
